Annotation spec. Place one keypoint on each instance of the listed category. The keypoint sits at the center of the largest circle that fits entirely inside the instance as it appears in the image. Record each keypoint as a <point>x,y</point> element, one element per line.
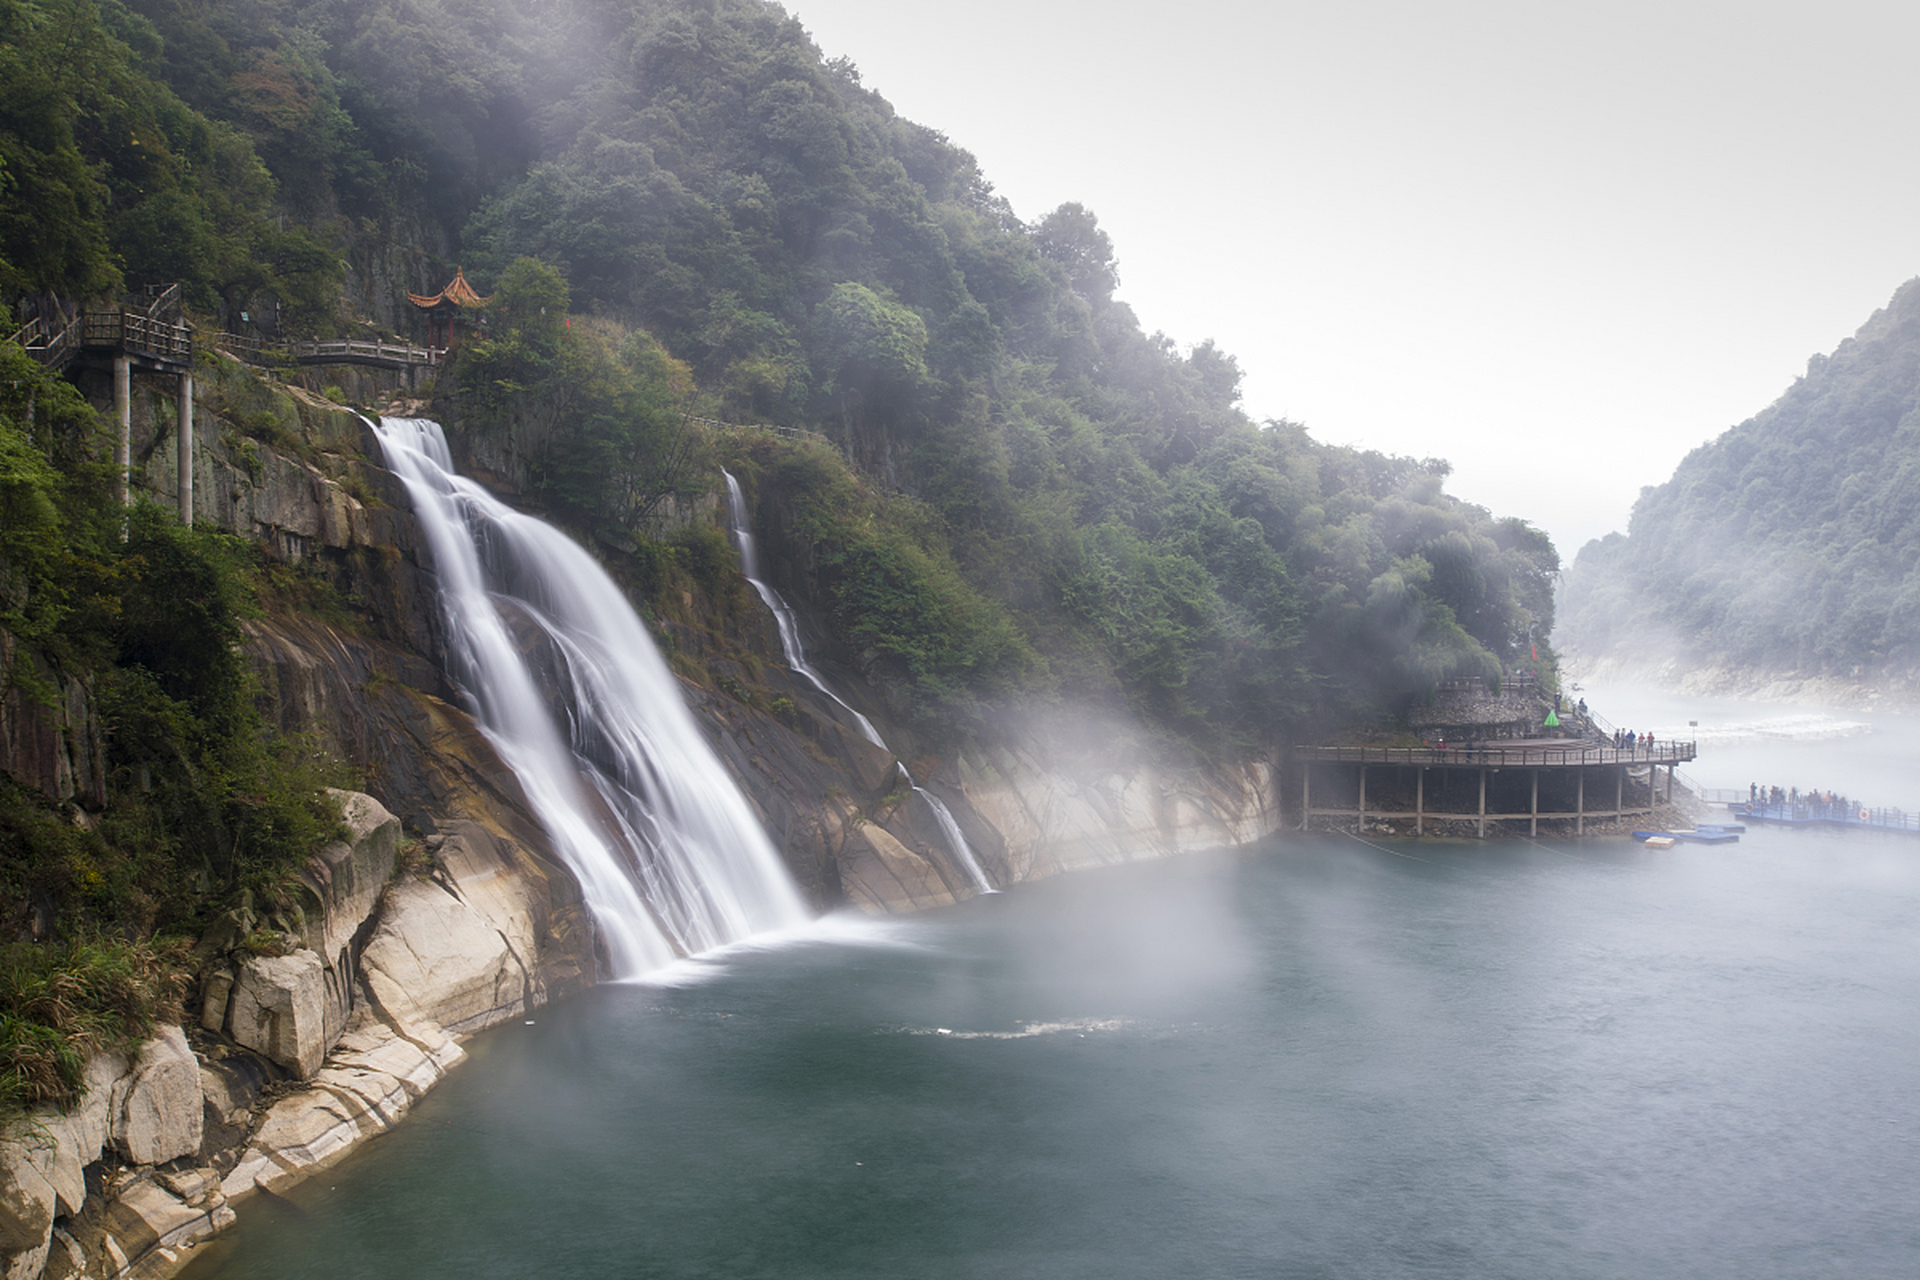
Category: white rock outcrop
<point>434,958</point>
<point>148,1110</point>
<point>280,1006</point>
<point>372,1079</point>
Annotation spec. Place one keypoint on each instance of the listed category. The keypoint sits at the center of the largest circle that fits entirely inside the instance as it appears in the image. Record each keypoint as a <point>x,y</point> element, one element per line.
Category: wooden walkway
<point>379,355</point>
<point>122,339</point>
<point>146,337</point>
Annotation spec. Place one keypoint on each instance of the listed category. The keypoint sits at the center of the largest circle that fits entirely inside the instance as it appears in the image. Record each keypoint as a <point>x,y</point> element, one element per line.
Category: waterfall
<point>566,683</point>
<point>790,647</point>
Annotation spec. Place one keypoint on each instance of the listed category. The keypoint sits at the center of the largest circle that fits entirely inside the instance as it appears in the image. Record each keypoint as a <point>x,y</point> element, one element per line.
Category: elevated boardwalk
<point>148,337</point>
<point>1500,781</point>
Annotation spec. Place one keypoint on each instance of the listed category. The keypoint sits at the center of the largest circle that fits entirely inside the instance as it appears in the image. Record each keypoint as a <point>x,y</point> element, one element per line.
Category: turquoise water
<point>1317,1058</point>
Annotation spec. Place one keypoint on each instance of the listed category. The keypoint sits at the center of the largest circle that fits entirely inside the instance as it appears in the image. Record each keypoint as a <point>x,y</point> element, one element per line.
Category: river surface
<point>1313,1058</point>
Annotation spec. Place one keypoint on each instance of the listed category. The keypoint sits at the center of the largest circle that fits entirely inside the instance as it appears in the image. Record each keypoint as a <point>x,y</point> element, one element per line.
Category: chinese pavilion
<point>444,308</point>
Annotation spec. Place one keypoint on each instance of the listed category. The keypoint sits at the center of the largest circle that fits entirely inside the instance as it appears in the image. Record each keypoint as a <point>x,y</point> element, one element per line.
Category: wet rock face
<point>429,766</point>
<point>54,745</point>
<point>1030,805</point>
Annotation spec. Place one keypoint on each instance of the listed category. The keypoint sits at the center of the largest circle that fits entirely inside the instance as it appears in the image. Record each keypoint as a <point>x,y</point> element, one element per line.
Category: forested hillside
<point>1052,502</point>
<point>1790,544</point>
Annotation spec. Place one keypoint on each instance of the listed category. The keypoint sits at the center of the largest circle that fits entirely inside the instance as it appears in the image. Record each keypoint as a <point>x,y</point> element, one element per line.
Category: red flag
<point>1536,650</point>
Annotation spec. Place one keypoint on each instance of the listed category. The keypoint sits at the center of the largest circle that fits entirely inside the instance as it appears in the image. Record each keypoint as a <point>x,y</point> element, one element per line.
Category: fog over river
<point>1313,1058</point>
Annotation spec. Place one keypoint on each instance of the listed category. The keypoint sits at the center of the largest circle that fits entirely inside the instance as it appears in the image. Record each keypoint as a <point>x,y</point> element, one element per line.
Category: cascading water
<point>568,687</point>
<point>796,656</point>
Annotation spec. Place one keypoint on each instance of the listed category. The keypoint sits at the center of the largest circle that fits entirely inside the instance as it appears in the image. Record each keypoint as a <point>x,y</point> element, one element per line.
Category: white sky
<point>1557,244</point>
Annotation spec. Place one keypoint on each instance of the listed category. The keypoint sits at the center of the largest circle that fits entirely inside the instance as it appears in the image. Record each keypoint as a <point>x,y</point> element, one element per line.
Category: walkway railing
<point>1575,752</point>
<point>119,330</point>
<point>51,346</point>
<point>1853,817</point>
<point>140,334</point>
<point>358,351</point>
<point>789,433</point>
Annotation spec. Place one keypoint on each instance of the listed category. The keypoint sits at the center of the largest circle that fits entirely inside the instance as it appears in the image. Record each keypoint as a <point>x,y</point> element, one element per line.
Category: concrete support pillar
<point>185,434</point>
<point>1580,802</point>
<point>123,425</point>
<point>1533,814</point>
<point>1363,797</point>
<point>1483,803</point>
<point>1419,801</point>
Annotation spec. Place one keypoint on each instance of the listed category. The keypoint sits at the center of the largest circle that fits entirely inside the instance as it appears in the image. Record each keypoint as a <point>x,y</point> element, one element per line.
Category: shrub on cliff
<point>61,1002</point>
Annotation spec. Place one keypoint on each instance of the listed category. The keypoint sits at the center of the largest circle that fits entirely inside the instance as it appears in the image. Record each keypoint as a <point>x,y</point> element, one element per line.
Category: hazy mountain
<point>1789,545</point>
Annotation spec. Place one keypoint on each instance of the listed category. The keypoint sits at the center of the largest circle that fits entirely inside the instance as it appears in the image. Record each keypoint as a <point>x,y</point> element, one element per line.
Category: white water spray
<point>567,685</point>
<point>796,656</point>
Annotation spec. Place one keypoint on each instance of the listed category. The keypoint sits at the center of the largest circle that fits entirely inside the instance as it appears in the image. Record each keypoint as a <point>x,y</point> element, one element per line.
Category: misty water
<point>1312,1058</point>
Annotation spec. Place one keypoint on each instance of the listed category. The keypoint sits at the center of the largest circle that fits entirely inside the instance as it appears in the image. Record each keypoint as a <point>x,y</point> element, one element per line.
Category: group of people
<point>1627,739</point>
<point>1805,804</point>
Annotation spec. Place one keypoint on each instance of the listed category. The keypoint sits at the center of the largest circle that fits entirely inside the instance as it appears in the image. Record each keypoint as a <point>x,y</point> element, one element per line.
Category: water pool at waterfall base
<point>1309,1058</point>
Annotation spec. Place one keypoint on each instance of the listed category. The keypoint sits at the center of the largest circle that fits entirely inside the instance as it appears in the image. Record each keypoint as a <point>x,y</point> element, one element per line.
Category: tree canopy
<point>740,225</point>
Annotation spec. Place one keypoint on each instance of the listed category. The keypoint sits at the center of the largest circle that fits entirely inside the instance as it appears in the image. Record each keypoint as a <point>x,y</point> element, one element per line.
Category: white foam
<point>1804,727</point>
<point>1027,1030</point>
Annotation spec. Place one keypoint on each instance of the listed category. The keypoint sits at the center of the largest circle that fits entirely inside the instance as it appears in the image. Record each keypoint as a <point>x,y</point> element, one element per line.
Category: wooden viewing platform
<point>146,338</point>
<point>1493,781</point>
<point>122,339</point>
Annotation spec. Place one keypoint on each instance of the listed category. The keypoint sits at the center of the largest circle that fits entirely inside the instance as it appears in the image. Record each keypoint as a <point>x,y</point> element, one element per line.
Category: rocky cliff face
<point>447,911</point>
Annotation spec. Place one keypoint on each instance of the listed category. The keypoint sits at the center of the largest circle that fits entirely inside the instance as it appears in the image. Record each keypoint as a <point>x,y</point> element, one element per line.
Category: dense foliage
<point>109,180</point>
<point>684,207</point>
<point>1791,542</point>
<point>208,813</point>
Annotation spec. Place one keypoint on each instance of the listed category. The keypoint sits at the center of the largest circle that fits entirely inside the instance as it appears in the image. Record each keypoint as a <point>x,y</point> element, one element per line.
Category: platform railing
<point>1851,815</point>
<point>1474,755</point>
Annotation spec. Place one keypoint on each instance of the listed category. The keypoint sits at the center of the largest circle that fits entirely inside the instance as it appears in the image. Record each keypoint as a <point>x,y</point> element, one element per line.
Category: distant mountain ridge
<point>1789,547</point>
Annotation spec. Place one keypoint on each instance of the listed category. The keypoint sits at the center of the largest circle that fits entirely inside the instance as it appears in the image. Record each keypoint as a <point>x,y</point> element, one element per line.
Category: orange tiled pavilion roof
<point>458,292</point>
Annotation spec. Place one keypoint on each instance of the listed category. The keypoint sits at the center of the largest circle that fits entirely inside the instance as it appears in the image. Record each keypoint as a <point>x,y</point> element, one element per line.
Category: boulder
<point>148,1109</point>
<point>161,1114</point>
<point>27,1203</point>
<point>433,958</point>
<point>281,1008</point>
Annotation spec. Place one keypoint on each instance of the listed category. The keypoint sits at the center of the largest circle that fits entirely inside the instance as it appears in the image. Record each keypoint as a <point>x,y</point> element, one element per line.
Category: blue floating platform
<point>1699,835</point>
